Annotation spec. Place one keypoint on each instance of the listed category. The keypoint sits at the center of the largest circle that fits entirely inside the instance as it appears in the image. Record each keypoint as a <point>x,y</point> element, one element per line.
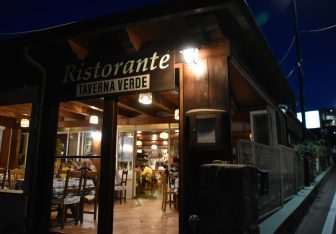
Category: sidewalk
<point>286,219</point>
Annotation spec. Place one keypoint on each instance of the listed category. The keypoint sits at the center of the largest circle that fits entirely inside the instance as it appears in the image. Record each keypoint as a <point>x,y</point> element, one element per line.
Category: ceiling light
<point>177,114</point>
<point>139,151</point>
<point>165,142</point>
<point>190,56</point>
<point>93,119</point>
<point>138,143</point>
<point>154,137</point>
<point>153,147</point>
<point>145,98</point>
<point>164,135</point>
<point>24,123</point>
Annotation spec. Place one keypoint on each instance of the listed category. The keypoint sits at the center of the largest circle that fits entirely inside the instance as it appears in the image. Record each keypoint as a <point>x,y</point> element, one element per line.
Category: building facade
<point>57,79</point>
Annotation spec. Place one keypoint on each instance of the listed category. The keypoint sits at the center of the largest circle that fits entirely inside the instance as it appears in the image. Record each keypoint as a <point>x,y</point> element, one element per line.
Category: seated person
<point>146,174</point>
<point>64,167</point>
<point>84,165</point>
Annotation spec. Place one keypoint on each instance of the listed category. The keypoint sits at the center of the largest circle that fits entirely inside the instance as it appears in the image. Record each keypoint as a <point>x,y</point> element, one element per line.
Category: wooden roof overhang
<point>169,25</point>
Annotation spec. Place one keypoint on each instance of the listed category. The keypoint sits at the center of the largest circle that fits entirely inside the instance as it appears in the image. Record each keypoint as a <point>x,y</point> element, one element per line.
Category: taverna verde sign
<point>151,72</point>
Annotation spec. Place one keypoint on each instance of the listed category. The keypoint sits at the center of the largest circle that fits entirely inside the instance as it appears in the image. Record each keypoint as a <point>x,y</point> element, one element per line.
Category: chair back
<point>124,174</point>
<point>73,183</point>
<point>90,192</point>
<point>91,182</point>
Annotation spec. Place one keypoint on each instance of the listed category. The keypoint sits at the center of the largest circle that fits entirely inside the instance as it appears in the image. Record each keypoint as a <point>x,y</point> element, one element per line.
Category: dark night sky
<point>273,16</point>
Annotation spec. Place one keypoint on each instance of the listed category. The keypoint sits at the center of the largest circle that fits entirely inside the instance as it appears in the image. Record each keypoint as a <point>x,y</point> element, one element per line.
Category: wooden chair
<point>120,189</point>
<point>70,197</point>
<point>169,196</point>
<point>90,193</point>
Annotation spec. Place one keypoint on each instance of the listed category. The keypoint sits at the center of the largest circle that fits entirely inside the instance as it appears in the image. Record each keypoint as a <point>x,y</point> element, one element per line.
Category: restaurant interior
<point>147,135</point>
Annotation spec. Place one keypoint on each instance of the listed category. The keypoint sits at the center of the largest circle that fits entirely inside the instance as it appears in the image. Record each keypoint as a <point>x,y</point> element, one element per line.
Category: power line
<point>320,29</point>
<point>289,49</point>
<point>291,72</point>
<point>34,30</point>
<point>305,31</point>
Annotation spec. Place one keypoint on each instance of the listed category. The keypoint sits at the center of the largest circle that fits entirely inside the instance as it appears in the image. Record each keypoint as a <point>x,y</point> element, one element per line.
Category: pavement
<point>310,211</point>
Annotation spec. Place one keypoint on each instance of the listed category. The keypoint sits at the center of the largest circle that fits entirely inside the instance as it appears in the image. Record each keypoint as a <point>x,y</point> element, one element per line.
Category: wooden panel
<point>7,121</point>
<point>195,89</point>
<point>218,83</point>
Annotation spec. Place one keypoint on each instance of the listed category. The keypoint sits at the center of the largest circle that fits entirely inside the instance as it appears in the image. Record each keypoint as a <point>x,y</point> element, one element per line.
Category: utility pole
<point>301,89</point>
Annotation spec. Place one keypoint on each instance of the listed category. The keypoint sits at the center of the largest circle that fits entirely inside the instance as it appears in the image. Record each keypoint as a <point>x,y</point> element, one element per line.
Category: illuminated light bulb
<point>94,119</point>
<point>164,135</point>
<point>190,56</point>
<point>24,123</point>
<point>145,98</point>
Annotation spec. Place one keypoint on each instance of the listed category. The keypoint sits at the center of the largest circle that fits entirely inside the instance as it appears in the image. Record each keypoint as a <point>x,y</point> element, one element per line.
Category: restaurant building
<point>198,110</point>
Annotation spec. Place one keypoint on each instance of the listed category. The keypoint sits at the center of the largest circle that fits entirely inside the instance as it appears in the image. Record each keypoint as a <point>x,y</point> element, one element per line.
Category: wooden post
<point>107,173</point>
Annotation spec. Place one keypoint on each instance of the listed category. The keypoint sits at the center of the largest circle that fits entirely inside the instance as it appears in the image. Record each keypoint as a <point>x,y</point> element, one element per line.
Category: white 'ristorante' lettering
<point>131,83</point>
<point>78,73</point>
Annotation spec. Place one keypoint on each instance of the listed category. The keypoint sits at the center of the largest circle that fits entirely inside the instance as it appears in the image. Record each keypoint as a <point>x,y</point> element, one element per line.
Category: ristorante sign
<point>151,72</point>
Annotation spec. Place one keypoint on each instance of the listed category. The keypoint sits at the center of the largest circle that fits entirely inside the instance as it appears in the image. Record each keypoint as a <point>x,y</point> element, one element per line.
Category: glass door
<point>125,156</point>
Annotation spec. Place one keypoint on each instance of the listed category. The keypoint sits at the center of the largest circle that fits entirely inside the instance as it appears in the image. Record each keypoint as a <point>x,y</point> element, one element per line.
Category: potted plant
<point>313,151</point>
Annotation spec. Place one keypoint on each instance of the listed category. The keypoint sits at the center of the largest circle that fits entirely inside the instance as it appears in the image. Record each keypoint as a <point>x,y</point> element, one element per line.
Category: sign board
<point>108,76</point>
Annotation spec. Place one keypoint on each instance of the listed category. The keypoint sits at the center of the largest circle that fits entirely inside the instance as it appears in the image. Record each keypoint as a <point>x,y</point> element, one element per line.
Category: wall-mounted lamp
<point>94,119</point>
<point>177,114</point>
<point>190,56</point>
<point>24,123</point>
<point>145,98</point>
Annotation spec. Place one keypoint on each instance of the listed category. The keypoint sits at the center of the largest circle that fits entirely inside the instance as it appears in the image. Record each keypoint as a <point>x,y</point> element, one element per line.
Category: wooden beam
<point>162,104</point>
<point>73,124</point>
<point>132,104</point>
<point>79,48</point>
<point>71,115</point>
<point>21,109</point>
<point>97,104</point>
<point>79,109</point>
<point>136,41</point>
<point>10,114</point>
<point>8,121</point>
<point>129,40</point>
<point>146,120</point>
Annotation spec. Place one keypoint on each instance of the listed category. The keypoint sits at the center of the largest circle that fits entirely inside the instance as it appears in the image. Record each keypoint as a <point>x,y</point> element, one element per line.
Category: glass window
<point>125,151</point>
<point>73,143</point>
<point>14,135</point>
